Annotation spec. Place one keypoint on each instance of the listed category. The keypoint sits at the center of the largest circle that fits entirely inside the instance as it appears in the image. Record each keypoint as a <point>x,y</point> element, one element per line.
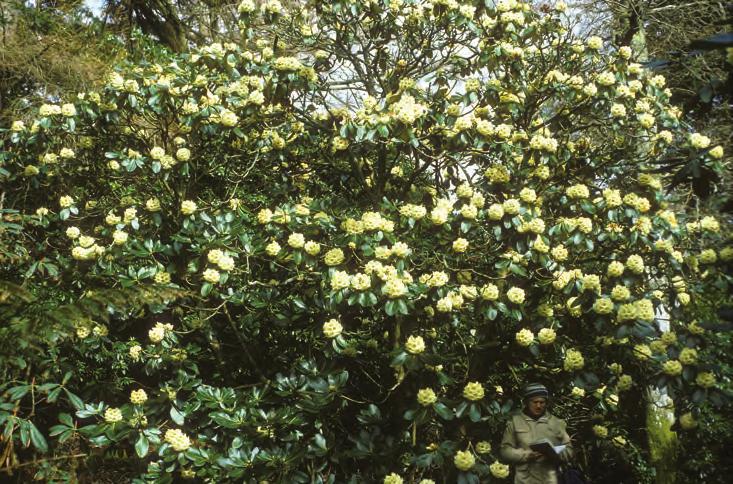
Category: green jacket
<point>521,431</point>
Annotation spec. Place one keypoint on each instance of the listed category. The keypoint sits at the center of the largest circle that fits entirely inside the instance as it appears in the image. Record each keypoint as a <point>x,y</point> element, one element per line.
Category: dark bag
<point>570,475</point>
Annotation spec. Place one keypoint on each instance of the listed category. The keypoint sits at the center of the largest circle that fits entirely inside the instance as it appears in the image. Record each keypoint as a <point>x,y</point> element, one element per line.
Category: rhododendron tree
<point>375,222</point>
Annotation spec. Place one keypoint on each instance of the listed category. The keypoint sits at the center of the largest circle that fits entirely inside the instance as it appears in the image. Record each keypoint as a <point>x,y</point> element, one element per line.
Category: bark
<point>160,18</point>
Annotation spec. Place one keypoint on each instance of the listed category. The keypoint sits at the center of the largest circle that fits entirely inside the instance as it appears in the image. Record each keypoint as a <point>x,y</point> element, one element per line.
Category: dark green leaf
<point>442,410</point>
<point>177,416</point>
<point>141,446</point>
<point>75,401</point>
<point>39,441</point>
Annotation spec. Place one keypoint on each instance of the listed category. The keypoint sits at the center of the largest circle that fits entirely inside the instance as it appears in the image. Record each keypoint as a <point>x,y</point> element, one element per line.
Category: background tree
<point>48,50</point>
<point>673,37</point>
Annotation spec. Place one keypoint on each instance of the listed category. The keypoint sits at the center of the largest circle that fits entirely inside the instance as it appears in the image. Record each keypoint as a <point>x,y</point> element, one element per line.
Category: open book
<point>545,447</point>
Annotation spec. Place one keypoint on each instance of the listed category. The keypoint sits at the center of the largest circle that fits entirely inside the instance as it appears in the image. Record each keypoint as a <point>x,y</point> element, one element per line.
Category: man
<point>534,423</point>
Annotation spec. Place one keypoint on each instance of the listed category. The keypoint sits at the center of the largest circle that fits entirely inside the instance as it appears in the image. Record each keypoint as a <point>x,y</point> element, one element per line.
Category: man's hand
<point>533,456</point>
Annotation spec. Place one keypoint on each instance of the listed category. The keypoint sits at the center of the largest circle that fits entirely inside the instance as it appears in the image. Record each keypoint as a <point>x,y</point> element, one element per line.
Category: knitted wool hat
<point>536,390</point>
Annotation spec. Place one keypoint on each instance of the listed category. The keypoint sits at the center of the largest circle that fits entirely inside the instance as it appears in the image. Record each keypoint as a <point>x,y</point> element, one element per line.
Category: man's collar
<point>542,418</point>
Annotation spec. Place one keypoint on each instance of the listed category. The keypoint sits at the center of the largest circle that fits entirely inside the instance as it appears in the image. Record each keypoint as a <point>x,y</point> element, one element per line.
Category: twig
<point>9,468</point>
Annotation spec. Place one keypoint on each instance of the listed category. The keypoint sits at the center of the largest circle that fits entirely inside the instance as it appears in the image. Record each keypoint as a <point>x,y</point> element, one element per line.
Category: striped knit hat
<point>535,390</point>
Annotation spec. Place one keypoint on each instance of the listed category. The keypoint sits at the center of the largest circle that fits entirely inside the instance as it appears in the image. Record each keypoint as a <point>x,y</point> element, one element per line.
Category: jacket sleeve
<point>567,454</point>
<point>510,450</point>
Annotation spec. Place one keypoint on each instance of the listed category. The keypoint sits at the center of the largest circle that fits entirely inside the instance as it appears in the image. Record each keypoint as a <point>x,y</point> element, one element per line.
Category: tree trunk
<point>662,440</point>
<point>160,18</point>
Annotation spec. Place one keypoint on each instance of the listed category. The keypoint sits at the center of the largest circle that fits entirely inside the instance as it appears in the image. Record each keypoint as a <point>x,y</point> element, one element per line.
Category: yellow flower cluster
<point>496,211</point>
<point>138,397</point>
<point>361,282</point>
<point>469,211</point>
<point>334,257</point>
<point>563,278</point>
<point>407,110</point>
<point>444,305</point>
<point>594,43</point>
<point>158,332</point>
<point>287,64</point>
<point>312,248</point>
<point>332,328</point>
<point>615,269</point>
<point>603,305</point>
<point>426,397</point>
<point>392,479</point>
<point>545,310</point>
<point>524,337</point>
<point>543,143</point>
<point>710,224</point>
<point>473,391</point>
<point>699,141</point>
<point>708,256</point>
<point>612,197</point>
<point>211,276</point>
<point>66,201</point>
<point>618,110</point>
<point>135,351</point>
<point>497,174</point>
<point>490,292</point>
<point>177,440</point>
<point>642,352</point>
<point>340,280</point>
<point>540,246</point>
<point>627,312</point>
<point>577,392</point>
<point>468,292</point>
<point>573,360</point>
<point>688,356</point>
<point>639,203</point>
<point>272,249</point>
<point>644,310</point>
<point>483,447</point>
<point>464,190</point>
<point>591,282</point>
<point>672,367</point>
<point>577,191</point>
<point>584,224</point>
<point>600,431</point>
<point>559,253</point>
<point>635,264</point>
<point>624,383</point>
<point>49,110</point>
<point>649,180</point>
<point>188,207</point>
<point>112,415</point>
<point>515,295</point>
<point>152,205</point>
<point>705,379</point>
<point>546,336</point>
<point>394,287</point>
<point>415,345</point>
<point>460,245</point>
<point>434,279</point>
<point>687,421</point>
<point>620,293</point>
<point>499,470</point>
<point>658,346</point>
<point>413,211</point>
<point>619,441</point>
<point>464,460</point>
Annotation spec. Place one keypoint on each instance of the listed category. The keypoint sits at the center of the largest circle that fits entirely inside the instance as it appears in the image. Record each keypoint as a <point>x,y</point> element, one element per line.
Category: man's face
<point>536,406</point>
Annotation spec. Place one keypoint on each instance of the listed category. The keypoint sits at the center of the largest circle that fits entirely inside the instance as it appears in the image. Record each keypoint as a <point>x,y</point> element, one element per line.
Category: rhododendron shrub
<point>386,218</point>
